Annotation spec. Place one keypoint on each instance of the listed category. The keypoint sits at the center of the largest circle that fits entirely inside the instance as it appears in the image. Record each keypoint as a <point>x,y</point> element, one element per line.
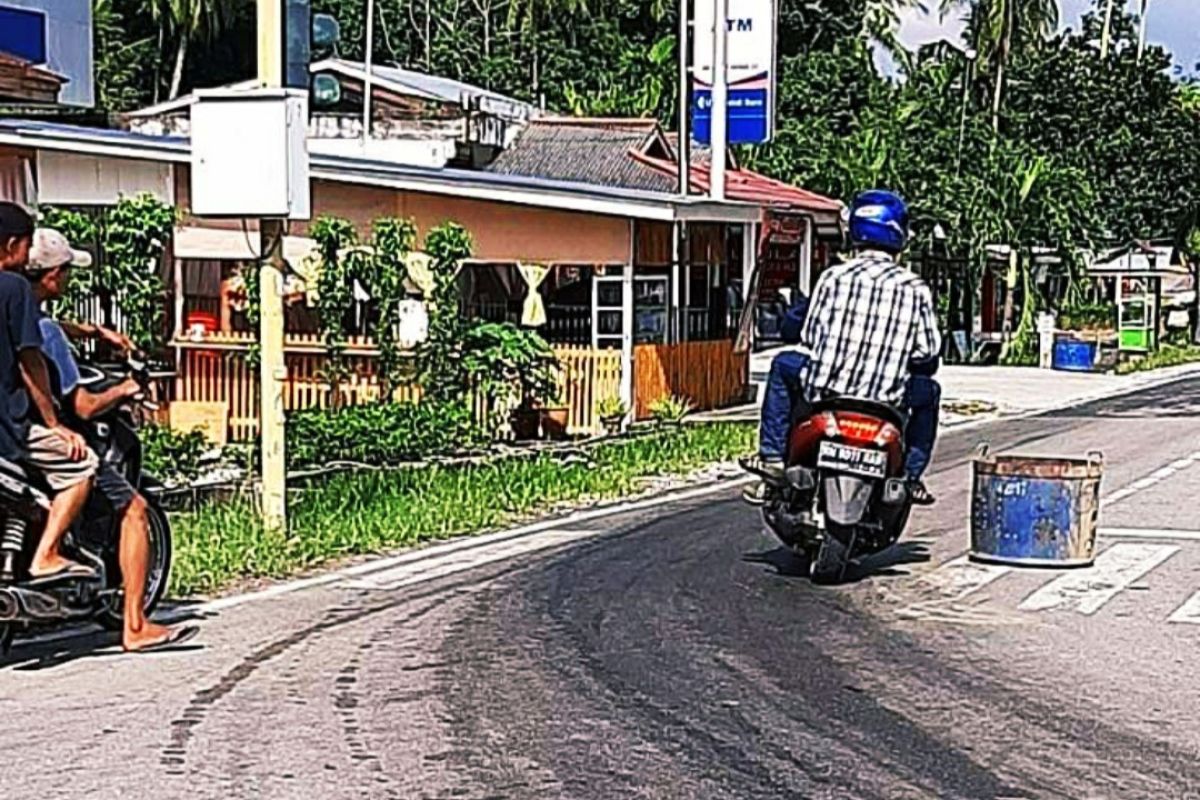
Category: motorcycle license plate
<point>853,460</point>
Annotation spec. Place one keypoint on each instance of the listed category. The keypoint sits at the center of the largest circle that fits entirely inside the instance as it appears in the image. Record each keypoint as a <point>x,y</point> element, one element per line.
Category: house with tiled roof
<point>578,224</point>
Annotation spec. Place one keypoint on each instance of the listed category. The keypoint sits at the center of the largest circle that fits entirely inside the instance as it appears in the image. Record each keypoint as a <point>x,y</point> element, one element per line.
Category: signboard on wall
<point>56,36</point>
<point>750,70</point>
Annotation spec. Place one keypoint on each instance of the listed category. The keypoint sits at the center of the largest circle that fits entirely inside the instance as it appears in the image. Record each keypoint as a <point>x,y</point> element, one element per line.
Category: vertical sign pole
<point>368,75</point>
<point>720,99</point>
<point>685,102</point>
<point>272,368</point>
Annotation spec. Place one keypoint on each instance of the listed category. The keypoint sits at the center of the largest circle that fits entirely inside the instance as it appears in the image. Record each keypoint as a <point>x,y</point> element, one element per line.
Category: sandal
<point>920,494</point>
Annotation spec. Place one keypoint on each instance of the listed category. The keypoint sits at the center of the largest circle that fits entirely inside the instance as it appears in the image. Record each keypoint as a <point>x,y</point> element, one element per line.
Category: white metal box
<point>250,153</point>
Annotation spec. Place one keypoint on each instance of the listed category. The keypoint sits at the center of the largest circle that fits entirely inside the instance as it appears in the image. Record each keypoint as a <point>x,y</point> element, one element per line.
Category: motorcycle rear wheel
<point>112,616</point>
<point>829,561</point>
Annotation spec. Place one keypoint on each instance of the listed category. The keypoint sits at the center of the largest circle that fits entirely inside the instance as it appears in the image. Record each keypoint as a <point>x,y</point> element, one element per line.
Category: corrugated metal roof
<point>592,152</point>
<point>432,87</point>
<point>359,170</point>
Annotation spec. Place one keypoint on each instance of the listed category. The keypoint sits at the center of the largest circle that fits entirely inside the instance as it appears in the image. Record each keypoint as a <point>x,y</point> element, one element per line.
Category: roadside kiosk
<point>1140,272</point>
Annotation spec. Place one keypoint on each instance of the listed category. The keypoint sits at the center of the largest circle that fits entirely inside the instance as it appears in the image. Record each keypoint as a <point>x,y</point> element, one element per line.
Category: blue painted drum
<point>1028,511</point>
<point>1070,355</point>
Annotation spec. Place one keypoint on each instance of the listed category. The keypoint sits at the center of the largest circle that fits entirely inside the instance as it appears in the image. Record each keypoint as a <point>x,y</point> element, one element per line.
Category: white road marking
<point>961,577</point>
<point>1189,612</point>
<point>429,569</point>
<point>1153,479</point>
<point>1087,590</point>
<point>1150,533</point>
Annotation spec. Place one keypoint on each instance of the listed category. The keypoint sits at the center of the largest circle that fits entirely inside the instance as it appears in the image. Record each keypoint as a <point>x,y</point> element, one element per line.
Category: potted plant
<point>612,413</point>
<point>512,365</point>
<point>670,409</point>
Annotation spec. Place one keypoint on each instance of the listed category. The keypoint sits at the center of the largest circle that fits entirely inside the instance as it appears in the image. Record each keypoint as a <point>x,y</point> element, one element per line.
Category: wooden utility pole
<point>272,367</point>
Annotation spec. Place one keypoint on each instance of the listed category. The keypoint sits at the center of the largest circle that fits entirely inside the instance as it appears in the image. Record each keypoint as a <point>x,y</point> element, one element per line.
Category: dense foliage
<point>387,433</point>
<point>127,241</point>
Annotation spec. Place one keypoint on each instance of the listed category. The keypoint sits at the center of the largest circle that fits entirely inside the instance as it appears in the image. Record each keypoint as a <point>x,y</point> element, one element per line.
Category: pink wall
<point>502,231</point>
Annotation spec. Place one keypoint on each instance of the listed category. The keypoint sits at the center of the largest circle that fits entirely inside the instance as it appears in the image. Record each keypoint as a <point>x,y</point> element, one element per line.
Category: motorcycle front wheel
<point>159,570</point>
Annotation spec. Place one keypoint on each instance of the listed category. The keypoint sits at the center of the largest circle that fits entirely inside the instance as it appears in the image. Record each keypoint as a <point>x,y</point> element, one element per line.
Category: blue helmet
<point>879,219</point>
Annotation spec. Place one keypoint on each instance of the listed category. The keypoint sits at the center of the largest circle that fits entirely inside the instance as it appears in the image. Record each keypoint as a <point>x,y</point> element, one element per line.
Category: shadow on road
<point>889,563</point>
<point>56,647</point>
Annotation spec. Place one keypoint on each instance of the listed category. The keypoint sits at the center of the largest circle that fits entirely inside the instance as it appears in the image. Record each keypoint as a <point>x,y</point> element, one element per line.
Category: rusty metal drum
<point>1034,511</point>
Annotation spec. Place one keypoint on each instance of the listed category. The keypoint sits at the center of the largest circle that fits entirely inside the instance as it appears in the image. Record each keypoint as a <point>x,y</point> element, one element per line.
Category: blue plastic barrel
<point>1035,511</point>
<point>1073,355</point>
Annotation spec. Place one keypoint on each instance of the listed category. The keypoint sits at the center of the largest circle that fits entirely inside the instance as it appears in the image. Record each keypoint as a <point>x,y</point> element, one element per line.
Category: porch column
<point>627,388</point>
<point>675,325</point>
<point>749,258</point>
<point>806,254</point>
<point>177,325</point>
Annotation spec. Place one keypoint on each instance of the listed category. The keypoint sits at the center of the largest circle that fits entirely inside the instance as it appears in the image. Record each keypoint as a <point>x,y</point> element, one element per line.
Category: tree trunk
<point>1106,34</point>
<point>428,37</point>
<point>1196,302</point>
<point>180,60</point>
<point>158,63</point>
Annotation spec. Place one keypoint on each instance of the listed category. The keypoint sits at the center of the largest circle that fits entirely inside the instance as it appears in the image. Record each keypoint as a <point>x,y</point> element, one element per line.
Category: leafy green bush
<point>172,456</point>
<point>1088,317</point>
<point>506,362</point>
<point>1167,356</point>
<point>671,408</point>
<point>387,433</point>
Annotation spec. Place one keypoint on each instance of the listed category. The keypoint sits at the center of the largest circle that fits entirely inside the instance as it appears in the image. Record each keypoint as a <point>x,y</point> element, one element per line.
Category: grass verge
<point>371,512</point>
<point>1168,355</point>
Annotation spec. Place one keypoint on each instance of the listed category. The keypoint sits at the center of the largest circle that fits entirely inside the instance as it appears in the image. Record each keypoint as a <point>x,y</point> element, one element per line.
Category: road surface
<point>668,652</point>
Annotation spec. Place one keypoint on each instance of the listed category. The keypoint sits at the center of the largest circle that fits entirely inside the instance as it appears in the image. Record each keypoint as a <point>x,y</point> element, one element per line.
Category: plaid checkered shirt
<point>868,319</point>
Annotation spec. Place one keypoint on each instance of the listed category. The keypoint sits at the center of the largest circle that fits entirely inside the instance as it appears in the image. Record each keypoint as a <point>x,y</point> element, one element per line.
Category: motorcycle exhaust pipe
<point>10,609</point>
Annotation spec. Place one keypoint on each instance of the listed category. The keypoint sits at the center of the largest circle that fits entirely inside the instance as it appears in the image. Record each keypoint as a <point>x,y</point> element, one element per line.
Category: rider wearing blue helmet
<point>871,333</point>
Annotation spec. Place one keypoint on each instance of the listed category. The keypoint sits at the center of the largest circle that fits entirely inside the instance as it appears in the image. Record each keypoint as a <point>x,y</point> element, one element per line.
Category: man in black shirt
<point>34,436</point>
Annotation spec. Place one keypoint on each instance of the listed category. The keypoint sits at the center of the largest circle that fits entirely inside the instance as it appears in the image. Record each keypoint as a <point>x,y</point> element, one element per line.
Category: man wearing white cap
<point>50,260</point>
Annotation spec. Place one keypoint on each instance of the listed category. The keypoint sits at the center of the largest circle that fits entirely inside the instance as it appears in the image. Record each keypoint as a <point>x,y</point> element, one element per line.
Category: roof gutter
<point>667,208</point>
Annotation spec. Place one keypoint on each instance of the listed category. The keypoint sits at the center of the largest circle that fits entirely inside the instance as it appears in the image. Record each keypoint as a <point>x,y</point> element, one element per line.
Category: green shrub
<point>671,408</point>
<point>387,433</point>
<point>172,456</point>
<point>1088,317</point>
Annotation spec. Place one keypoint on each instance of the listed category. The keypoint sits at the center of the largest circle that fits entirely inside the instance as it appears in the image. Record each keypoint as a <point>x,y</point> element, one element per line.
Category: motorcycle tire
<point>829,562</point>
<point>112,616</point>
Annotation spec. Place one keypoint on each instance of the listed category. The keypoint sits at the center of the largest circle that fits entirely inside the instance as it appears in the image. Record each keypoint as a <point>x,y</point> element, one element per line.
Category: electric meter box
<point>250,153</point>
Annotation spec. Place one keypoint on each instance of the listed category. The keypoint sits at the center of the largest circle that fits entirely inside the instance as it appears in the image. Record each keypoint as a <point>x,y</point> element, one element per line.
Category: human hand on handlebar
<point>115,338</point>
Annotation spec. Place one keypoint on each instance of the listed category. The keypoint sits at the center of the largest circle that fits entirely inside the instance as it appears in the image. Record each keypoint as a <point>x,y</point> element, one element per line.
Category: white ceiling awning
<point>199,243</point>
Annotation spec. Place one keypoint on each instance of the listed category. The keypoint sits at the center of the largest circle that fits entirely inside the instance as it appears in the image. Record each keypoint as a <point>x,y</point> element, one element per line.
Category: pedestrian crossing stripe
<point>1082,591</point>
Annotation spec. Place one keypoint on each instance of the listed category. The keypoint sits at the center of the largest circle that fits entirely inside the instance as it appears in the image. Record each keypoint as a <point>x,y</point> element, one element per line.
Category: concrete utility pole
<point>272,367</point>
<point>720,99</point>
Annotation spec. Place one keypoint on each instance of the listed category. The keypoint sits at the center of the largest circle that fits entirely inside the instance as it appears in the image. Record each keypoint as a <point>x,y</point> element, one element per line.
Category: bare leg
<point>135,563</point>
<point>63,510</point>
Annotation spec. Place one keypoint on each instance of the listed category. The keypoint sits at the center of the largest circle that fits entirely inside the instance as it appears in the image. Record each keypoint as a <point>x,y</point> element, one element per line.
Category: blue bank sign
<point>750,70</point>
<point>54,35</point>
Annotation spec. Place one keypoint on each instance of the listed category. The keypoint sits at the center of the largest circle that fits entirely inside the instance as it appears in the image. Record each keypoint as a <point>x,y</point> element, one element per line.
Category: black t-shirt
<point>18,331</point>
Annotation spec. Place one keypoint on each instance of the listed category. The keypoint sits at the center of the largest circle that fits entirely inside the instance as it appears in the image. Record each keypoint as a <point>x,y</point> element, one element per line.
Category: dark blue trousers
<point>923,398</point>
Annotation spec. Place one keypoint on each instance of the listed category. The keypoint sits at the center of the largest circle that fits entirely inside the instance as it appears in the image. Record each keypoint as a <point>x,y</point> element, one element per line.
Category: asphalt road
<point>668,652</point>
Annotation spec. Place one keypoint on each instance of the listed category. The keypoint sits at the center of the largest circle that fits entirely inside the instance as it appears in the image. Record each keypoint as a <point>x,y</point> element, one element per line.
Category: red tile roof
<point>749,187</point>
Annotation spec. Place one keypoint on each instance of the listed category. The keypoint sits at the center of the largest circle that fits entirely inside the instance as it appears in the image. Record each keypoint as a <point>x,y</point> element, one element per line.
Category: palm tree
<point>1106,34</point>
<point>188,20</point>
<point>999,25</point>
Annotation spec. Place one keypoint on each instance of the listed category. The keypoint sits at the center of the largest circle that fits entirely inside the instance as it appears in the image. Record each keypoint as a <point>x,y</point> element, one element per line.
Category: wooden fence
<point>710,374</point>
<point>215,370</point>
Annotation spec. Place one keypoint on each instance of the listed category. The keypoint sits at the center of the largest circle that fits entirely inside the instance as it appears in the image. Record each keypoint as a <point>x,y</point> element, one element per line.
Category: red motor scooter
<point>844,495</point>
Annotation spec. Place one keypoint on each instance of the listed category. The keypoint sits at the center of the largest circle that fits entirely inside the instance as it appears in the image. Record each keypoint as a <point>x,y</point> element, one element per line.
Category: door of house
<point>608,311</point>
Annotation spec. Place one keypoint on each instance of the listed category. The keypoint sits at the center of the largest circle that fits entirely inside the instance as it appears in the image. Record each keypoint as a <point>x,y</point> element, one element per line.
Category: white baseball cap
<point>51,249</point>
